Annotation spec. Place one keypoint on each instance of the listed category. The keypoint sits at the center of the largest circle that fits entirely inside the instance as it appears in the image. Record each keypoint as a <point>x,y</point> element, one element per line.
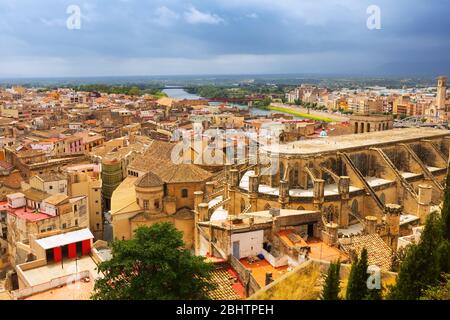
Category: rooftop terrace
<point>355,141</point>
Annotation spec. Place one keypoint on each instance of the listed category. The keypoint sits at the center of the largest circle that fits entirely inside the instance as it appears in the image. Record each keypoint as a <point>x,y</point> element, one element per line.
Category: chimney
<point>203,211</point>
<point>198,198</point>
<point>371,224</point>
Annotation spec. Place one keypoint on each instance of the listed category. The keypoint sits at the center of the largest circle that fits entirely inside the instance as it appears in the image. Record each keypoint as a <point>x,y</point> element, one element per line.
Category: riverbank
<point>308,114</point>
<point>296,113</point>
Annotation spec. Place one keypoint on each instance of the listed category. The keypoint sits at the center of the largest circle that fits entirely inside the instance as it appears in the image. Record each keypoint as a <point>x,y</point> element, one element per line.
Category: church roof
<point>184,214</point>
<point>149,180</point>
<point>157,159</point>
<point>179,173</point>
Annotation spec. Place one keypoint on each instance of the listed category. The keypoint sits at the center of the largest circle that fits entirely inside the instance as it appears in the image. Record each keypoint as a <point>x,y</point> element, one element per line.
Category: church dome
<point>149,180</point>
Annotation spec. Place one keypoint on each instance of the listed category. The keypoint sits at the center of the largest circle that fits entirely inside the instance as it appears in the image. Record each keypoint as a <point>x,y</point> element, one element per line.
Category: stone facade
<point>348,179</point>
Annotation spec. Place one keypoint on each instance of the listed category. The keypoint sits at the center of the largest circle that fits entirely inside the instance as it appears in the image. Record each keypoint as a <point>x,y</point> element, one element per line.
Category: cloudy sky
<point>152,37</point>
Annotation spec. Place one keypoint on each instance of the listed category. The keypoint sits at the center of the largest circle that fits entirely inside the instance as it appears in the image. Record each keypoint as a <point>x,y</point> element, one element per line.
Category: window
<point>157,204</point>
<point>51,187</point>
<point>96,201</point>
<point>75,208</point>
<point>98,226</point>
<point>184,193</point>
<point>97,213</point>
<point>145,204</point>
<point>76,222</point>
<point>64,226</point>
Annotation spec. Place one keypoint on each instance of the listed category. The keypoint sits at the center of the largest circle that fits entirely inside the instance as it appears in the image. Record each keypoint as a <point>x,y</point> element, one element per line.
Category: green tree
<point>357,280</point>
<point>443,250</point>
<point>332,284</point>
<point>445,212</point>
<point>374,294</point>
<point>134,91</point>
<point>153,265</point>
<point>297,102</point>
<point>439,292</point>
<point>421,266</point>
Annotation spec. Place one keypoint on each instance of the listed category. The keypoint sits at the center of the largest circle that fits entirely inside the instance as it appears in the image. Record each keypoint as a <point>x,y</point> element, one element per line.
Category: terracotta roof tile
<point>378,252</point>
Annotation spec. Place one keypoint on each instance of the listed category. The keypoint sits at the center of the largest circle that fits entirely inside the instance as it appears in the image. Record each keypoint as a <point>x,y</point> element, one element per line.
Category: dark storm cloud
<point>130,37</point>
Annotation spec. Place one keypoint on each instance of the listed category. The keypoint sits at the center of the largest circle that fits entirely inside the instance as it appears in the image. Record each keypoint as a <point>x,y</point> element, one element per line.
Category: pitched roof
<point>378,252</point>
<point>56,199</point>
<point>179,173</point>
<point>35,194</point>
<point>165,101</point>
<point>65,238</point>
<point>51,176</point>
<point>157,159</point>
<point>184,214</point>
<point>13,181</point>
<point>124,197</point>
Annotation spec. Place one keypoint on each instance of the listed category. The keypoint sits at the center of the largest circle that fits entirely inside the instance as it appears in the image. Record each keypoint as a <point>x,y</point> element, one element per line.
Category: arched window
<point>355,207</point>
<point>382,198</point>
<point>356,127</point>
<point>295,180</point>
<point>281,171</point>
<point>242,204</point>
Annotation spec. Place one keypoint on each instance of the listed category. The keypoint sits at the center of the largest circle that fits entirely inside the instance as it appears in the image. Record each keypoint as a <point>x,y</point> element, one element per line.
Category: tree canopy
<point>357,281</point>
<point>332,284</point>
<point>445,212</point>
<point>421,266</point>
<point>153,265</point>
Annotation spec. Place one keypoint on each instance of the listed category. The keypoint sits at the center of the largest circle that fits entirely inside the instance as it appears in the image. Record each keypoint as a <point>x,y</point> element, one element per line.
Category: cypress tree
<point>421,266</point>
<point>331,288</point>
<point>357,281</point>
<point>444,256</point>
<point>445,212</point>
<point>374,294</point>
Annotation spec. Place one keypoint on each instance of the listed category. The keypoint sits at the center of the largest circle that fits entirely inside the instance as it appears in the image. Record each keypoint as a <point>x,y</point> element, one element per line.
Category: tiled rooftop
<point>379,253</point>
<point>228,285</point>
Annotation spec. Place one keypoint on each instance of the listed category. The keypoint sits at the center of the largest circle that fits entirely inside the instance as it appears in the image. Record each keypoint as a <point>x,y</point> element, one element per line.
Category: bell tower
<point>441,95</point>
<point>441,92</point>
